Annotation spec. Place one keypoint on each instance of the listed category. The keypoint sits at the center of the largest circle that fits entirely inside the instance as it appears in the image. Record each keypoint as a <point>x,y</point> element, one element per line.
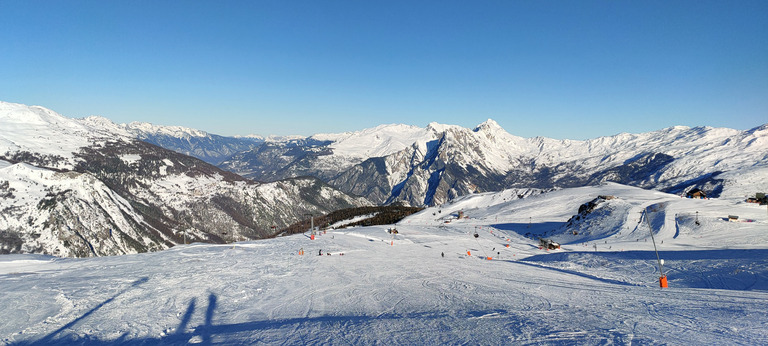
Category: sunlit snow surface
<point>40,130</point>
<point>400,290</point>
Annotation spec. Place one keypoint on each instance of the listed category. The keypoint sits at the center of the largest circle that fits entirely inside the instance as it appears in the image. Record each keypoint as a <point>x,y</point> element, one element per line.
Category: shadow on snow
<point>529,229</point>
<point>729,269</point>
<point>248,332</point>
<point>722,254</point>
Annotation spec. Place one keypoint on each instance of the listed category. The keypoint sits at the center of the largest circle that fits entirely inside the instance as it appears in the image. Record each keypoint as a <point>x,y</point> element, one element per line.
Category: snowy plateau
<point>467,269</point>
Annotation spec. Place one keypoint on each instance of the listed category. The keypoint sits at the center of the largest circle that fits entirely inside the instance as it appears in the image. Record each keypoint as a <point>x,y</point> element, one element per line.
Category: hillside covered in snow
<point>86,187</point>
<point>433,282</point>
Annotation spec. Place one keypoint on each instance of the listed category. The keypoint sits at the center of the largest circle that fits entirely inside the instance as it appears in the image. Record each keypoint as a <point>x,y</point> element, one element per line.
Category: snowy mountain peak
<point>489,125</point>
<point>20,113</point>
<point>437,128</point>
<point>378,141</point>
<point>98,120</point>
<point>250,137</point>
<point>35,129</point>
<point>174,131</point>
<point>275,138</point>
<point>105,124</point>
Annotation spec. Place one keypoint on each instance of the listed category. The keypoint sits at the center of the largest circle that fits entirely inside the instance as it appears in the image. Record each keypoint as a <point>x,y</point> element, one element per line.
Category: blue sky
<point>560,69</point>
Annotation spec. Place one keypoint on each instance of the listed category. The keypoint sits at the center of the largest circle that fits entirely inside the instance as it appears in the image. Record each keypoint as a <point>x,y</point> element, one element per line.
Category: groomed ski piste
<point>431,283</point>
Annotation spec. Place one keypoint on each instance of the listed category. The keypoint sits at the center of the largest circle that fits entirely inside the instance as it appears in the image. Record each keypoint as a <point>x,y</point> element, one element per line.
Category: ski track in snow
<point>400,290</point>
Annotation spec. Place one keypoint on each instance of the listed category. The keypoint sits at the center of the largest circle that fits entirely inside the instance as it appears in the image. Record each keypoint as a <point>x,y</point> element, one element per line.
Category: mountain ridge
<point>489,159</point>
<point>81,188</point>
<point>396,162</point>
<point>445,161</point>
<point>277,181</point>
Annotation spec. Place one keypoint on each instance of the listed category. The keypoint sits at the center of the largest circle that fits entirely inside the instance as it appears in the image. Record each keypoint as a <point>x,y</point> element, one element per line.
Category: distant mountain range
<point>200,144</point>
<point>88,187</point>
<point>431,165</point>
<point>62,181</point>
<point>428,166</point>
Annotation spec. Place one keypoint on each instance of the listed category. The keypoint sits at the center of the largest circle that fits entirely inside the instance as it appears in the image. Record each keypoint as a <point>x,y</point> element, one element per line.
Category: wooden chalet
<point>696,193</point>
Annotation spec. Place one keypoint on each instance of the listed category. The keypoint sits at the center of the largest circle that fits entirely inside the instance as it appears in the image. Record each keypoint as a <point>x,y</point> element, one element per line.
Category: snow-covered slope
<point>39,133</point>
<point>379,141</point>
<point>66,214</point>
<point>618,226</point>
<point>99,191</point>
<point>420,286</point>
